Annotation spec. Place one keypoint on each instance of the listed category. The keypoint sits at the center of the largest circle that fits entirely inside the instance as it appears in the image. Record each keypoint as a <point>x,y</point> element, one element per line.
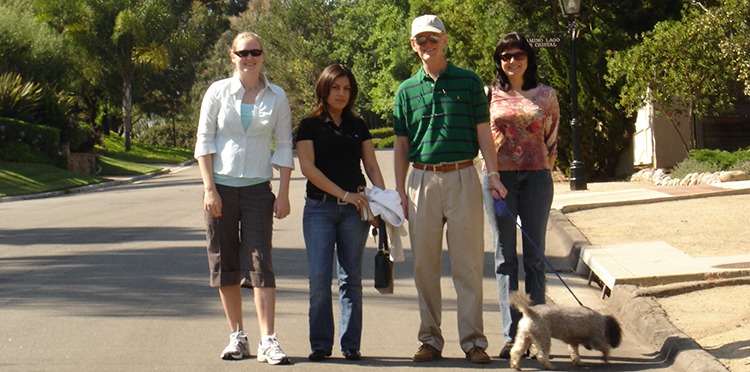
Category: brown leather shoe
<point>477,355</point>
<point>426,353</point>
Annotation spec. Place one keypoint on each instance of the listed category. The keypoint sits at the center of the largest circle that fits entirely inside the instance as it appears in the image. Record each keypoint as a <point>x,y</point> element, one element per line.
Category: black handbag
<point>383,263</point>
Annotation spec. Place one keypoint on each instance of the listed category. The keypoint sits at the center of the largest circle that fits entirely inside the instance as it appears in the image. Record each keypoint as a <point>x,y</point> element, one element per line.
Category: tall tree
<point>372,38</point>
<point>678,66</point>
<point>123,39</point>
<point>603,26</point>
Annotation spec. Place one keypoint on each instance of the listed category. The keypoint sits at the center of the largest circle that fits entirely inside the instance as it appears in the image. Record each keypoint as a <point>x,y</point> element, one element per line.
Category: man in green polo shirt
<point>441,120</point>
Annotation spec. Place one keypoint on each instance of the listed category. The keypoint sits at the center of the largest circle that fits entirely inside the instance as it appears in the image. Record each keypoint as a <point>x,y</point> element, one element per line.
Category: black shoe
<point>318,355</point>
<point>351,354</point>
<point>505,351</point>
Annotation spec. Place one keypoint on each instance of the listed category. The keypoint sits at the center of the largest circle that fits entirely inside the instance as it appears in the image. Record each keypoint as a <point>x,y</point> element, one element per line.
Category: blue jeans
<point>328,228</point>
<point>529,198</point>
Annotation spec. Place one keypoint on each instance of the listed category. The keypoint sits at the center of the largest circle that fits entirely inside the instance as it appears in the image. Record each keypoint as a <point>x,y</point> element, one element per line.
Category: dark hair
<point>323,89</point>
<point>510,41</point>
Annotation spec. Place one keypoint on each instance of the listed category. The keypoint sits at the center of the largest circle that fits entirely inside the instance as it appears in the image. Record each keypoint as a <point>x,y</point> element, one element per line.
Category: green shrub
<point>692,165</point>
<point>386,142</point>
<point>37,138</point>
<point>711,161</point>
<point>381,133</point>
<point>19,99</point>
<point>19,152</point>
<point>723,159</point>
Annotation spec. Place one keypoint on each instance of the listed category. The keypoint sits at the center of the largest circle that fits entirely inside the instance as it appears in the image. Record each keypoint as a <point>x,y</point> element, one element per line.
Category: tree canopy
<point>697,64</point>
<point>155,58</point>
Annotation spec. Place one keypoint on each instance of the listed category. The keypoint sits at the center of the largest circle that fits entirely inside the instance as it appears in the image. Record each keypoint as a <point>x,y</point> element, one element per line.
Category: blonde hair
<point>247,35</point>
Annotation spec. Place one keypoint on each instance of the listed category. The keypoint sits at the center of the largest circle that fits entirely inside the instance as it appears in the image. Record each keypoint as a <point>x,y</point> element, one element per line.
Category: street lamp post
<point>571,9</point>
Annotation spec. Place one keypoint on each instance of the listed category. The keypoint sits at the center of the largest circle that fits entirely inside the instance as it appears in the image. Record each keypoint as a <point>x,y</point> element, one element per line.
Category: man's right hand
<point>404,203</point>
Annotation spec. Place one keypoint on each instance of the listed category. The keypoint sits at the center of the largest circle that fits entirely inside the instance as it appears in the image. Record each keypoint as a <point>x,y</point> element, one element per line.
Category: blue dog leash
<point>501,208</point>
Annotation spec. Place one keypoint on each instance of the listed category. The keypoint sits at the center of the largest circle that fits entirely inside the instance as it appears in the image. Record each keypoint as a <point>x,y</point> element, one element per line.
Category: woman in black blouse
<point>332,141</point>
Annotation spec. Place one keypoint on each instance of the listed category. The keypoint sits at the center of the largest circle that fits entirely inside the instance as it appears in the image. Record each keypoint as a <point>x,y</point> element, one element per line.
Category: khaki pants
<point>454,199</point>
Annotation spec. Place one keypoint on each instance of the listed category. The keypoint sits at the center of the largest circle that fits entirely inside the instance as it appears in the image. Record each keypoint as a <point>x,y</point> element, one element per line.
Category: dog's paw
<point>547,365</point>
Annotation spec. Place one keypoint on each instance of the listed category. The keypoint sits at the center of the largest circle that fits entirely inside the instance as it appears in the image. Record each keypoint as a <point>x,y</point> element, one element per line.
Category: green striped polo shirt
<point>440,117</point>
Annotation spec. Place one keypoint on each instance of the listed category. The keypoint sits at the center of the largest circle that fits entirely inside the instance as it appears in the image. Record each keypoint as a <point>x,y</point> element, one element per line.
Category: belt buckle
<point>340,202</point>
<point>435,168</point>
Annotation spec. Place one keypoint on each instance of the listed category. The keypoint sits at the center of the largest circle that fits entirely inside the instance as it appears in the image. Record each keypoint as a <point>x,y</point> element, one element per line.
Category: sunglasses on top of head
<point>518,56</point>
<point>252,52</point>
<point>421,40</point>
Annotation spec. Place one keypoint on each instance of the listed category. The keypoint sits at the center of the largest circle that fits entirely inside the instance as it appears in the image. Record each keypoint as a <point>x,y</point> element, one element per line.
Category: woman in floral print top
<point>524,116</point>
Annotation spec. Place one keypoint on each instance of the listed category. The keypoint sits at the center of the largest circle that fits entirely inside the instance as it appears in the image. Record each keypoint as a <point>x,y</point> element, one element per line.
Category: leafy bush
<point>711,161</point>
<point>723,159</point>
<point>41,144</point>
<point>384,132</point>
<point>386,142</point>
<point>36,104</point>
<point>691,165</point>
<point>20,152</point>
<point>80,136</point>
<point>19,99</point>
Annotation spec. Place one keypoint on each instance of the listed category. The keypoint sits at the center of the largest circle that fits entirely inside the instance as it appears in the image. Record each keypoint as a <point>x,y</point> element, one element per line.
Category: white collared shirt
<point>245,153</point>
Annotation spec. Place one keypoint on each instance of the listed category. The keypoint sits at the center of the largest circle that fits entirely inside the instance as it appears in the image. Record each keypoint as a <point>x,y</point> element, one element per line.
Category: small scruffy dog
<point>573,325</point>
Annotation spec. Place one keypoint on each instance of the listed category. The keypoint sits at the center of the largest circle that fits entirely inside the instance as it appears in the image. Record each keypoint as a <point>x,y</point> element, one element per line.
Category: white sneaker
<point>238,347</point>
<point>270,352</point>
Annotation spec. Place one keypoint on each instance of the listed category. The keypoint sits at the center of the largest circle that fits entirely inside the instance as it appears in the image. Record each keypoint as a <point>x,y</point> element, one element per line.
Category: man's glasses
<point>518,56</point>
<point>421,40</point>
<point>252,52</point>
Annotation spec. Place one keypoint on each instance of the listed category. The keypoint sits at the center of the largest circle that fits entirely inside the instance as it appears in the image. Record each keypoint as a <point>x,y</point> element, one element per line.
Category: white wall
<point>657,142</point>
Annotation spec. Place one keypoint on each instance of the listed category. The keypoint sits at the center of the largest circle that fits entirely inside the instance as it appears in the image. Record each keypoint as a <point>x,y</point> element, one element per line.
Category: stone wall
<point>660,178</point>
<point>82,163</point>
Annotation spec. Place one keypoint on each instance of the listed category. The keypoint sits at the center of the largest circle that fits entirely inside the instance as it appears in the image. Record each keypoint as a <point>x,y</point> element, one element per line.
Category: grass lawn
<point>114,147</point>
<point>32,178</point>
<point>117,167</point>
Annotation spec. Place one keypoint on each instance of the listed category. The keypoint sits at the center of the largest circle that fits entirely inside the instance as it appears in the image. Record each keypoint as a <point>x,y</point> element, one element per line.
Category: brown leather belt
<point>444,167</point>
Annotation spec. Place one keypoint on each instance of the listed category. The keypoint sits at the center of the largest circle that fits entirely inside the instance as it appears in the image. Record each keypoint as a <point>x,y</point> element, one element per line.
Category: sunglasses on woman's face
<point>518,56</point>
<point>252,52</point>
<point>421,40</point>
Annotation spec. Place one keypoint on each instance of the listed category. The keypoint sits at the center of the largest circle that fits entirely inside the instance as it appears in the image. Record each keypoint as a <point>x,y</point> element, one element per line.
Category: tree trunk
<point>127,109</point>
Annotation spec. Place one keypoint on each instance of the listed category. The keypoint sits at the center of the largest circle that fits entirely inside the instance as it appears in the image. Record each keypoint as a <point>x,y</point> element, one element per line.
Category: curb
<point>97,186</point>
<point>649,320</point>
<point>643,314</point>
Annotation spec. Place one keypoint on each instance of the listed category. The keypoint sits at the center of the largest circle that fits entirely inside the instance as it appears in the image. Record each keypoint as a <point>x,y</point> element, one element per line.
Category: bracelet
<point>345,195</point>
<point>493,174</point>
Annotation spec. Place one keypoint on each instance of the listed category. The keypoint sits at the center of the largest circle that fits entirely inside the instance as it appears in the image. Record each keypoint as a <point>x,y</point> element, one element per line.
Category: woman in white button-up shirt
<point>239,118</point>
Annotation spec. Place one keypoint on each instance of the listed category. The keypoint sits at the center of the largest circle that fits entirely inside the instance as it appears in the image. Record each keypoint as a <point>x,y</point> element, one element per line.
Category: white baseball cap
<point>426,23</point>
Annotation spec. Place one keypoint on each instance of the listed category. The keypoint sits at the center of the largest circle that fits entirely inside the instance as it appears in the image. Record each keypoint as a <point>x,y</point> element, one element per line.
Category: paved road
<point>116,280</point>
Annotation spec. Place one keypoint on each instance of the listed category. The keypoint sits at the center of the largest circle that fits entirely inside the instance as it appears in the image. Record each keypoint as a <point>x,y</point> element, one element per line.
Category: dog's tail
<point>613,331</point>
<point>522,302</point>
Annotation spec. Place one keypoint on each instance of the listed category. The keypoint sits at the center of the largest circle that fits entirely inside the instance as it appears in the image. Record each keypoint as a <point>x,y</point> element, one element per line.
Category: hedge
<point>19,140</point>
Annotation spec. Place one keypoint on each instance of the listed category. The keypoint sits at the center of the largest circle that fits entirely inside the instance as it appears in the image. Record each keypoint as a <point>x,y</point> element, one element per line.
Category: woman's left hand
<point>498,189</point>
<point>281,207</point>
